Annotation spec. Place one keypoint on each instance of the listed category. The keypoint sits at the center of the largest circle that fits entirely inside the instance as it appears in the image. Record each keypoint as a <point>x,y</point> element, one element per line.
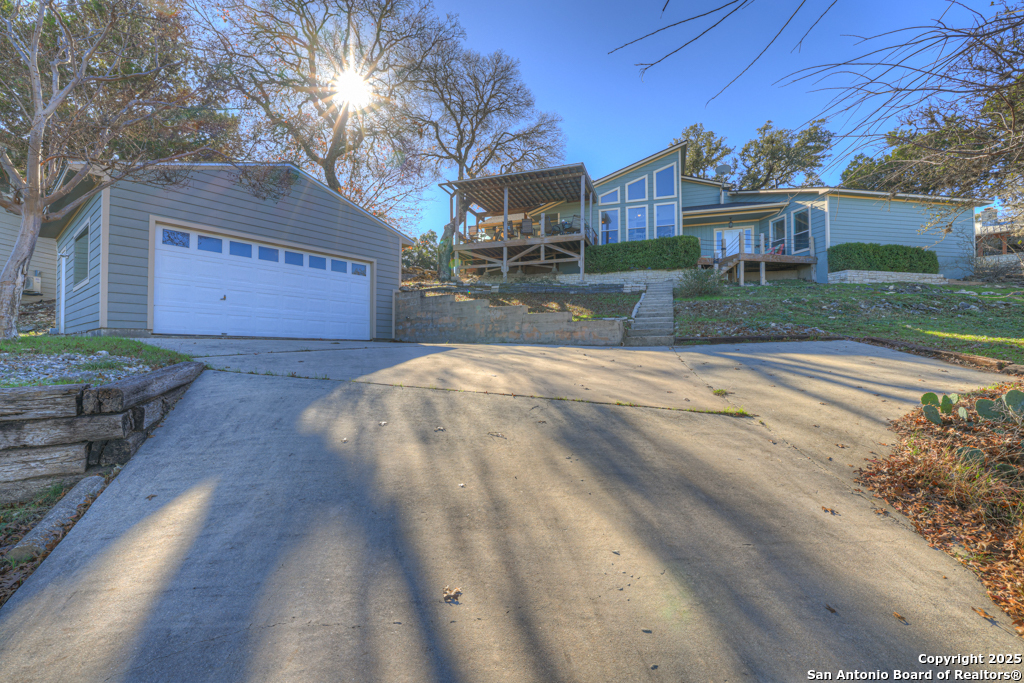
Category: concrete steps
<point>654,324</point>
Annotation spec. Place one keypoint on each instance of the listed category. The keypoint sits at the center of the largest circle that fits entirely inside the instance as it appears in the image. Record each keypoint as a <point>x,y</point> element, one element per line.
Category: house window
<point>358,269</point>
<point>339,266</point>
<point>609,226</point>
<point>731,239</point>
<point>636,222</point>
<point>268,254</point>
<point>240,249</point>
<point>176,238</point>
<point>665,182</point>
<point>609,197</point>
<point>318,262</point>
<point>636,191</point>
<point>292,258</point>
<point>801,231</point>
<point>210,244</point>
<point>778,236</point>
<point>80,268</point>
<point>665,220</point>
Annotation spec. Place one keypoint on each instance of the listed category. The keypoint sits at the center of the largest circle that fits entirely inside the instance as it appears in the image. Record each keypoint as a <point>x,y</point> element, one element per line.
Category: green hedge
<point>890,258</point>
<point>663,253</point>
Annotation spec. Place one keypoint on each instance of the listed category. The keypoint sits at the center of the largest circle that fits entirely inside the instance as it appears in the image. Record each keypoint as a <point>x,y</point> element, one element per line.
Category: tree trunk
<point>444,253</point>
<point>12,279</point>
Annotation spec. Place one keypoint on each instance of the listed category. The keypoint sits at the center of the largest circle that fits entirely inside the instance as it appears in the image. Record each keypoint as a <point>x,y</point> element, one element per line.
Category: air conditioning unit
<point>33,285</point>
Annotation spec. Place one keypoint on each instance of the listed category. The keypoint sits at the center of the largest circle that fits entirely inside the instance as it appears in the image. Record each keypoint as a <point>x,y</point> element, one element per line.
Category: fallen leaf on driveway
<point>382,423</point>
<point>151,496</point>
<point>840,445</point>
<point>901,618</point>
<point>830,609</point>
<point>451,595</point>
<point>498,435</point>
<point>829,510</point>
<point>440,429</point>
<point>984,614</point>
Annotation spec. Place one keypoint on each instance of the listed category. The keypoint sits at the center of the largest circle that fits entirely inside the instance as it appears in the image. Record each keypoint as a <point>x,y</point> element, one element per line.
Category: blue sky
<point>611,117</point>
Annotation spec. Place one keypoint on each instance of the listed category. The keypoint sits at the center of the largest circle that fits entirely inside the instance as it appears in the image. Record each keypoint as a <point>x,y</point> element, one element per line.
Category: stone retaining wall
<point>877,277</point>
<point>441,319</point>
<point>634,278</point>
<point>54,434</point>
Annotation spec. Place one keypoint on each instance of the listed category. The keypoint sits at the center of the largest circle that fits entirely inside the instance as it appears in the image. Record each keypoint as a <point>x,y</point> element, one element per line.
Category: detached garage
<point>209,258</point>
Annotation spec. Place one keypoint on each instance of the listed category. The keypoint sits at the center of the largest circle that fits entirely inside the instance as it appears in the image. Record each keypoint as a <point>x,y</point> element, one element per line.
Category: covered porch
<point>733,238</point>
<point>510,229</point>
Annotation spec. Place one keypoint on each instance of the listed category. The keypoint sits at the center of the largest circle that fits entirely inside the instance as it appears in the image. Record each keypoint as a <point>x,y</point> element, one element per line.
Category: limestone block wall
<point>877,277</point>
<point>442,319</point>
<point>634,280</point>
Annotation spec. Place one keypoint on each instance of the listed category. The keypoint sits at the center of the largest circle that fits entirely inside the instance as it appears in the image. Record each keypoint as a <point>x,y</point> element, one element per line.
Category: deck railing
<point>754,244</point>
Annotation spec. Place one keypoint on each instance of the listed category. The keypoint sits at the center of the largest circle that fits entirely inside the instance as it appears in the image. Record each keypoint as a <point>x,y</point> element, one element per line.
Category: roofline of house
<point>646,160</point>
<point>695,179</point>
<point>738,207</point>
<point>870,193</point>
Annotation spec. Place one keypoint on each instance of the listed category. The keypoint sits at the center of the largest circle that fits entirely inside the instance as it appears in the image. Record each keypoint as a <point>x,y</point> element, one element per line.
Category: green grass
<point>720,392</point>
<point>865,311</point>
<point>151,356</point>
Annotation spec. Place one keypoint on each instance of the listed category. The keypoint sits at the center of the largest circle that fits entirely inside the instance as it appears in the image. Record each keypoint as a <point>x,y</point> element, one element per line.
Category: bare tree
<point>92,94</point>
<point>480,118</point>
<point>299,70</point>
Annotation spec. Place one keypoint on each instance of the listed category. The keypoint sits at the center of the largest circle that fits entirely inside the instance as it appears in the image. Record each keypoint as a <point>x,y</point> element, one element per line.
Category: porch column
<point>583,229</point>
<point>763,280</point>
<point>504,264</point>
<point>743,250</point>
<point>504,227</point>
<point>456,238</point>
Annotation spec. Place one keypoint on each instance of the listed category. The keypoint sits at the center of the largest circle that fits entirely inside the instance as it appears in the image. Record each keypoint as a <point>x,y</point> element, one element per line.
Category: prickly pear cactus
<point>962,412</point>
<point>1004,470</point>
<point>970,456</point>
<point>930,399</point>
<point>946,405</point>
<point>988,410</point>
<point>933,414</point>
<point>1014,400</point>
<point>955,398</point>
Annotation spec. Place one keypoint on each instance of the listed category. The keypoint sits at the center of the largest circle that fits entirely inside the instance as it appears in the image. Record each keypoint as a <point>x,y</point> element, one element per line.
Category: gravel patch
<point>97,368</point>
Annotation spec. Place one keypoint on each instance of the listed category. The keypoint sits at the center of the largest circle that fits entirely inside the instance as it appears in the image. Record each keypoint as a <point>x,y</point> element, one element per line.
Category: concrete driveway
<point>275,530</point>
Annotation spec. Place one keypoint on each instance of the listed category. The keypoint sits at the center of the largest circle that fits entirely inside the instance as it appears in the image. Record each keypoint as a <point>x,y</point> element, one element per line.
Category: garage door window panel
<point>176,238</point>
<point>292,258</point>
<point>318,262</point>
<point>358,269</point>
<point>211,244</point>
<point>339,266</point>
<point>268,254</point>
<point>240,249</point>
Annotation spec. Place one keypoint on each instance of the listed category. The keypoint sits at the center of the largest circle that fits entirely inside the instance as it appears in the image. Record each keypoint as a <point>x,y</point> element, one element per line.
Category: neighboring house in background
<point>999,241</point>
<point>209,258</point>
<point>652,198</point>
<point>44,258</point>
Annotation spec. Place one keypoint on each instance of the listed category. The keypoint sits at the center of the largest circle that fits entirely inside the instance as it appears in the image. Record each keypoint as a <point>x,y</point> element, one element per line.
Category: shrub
<point>663,253</point>
<point>890,258</point>
<point>700,282</point>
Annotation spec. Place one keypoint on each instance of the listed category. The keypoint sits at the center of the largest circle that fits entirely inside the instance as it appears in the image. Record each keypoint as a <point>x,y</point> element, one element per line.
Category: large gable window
<point>636,220</point>
<point>665,182</point>
<point>665,220</point>
<point>609,226</point>
<point>778,236</point>
<point>801,230</point>
<point>609,197</point>
<point>80,267</point>
<point>636,191</point>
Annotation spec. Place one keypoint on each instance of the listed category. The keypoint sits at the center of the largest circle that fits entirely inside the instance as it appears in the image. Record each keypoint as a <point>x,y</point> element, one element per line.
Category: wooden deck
<point>545,251</point>
<point>739,261</point>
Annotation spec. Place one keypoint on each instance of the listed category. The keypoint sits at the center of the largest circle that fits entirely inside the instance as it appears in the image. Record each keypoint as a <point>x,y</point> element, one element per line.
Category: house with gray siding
<point>207,257</point>
<point>651,198</point>
<point>43,263</point>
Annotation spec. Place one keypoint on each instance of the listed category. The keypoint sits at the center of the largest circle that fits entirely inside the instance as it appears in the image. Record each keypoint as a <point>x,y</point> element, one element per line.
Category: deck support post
<point>763,280</point>
<point>504,224</point>
<point>583,227</point>
<point>814,266</point>
<point>721,254</point>
<point>457,237</point>
<point>504,262</point>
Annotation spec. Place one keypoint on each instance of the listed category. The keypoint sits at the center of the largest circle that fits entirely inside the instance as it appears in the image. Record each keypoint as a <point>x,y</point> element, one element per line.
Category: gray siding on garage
<point>310,215</point>
<point>44,258</point>
<point>881,221</point>
<point>82,309</point>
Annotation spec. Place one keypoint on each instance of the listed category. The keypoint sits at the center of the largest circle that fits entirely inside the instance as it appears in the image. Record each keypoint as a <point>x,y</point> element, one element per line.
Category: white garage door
<point>212,284</point>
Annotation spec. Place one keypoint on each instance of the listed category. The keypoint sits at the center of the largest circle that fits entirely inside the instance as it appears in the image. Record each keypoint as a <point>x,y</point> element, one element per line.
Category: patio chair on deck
<point>526,230</point>
<point>573,226</point>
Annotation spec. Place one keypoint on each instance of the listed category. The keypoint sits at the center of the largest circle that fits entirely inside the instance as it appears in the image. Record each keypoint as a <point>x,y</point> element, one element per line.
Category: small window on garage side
<point>176,238</point>
<point>240,249</point>
<point>318,262</point>
<point>358,269</point>
<point>293,258</point>
<point>339,266</point>
<point>210,244</point>
<point>268,254</point>
<point>80,269</point>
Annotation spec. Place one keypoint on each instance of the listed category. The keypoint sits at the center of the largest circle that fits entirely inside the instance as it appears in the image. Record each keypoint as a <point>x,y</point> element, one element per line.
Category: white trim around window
<point>772,239</point>
<point>792,227</point>
<point>675,218</point>
<point>618,193</point>
<point>675,182</point>
<point>629,228</point>
<point>634,182</point>
<point>78,284</point>
<point>618,224</point>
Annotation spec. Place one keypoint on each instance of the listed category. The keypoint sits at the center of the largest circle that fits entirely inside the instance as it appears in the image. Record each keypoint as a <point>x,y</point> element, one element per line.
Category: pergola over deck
<point>526,193</point>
